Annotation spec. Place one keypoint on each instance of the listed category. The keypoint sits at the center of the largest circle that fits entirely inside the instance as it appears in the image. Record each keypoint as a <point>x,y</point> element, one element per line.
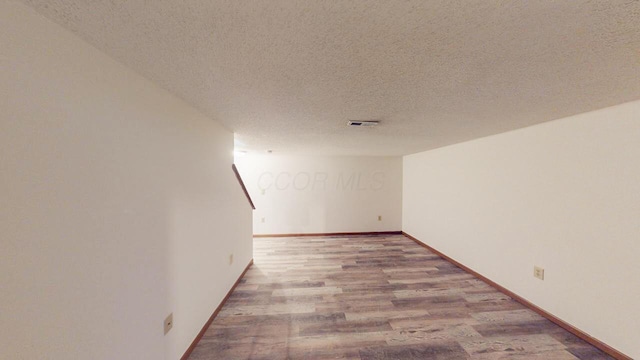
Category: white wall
<point>316,194</point>
<point>564,195</point>
<point>118,204</point>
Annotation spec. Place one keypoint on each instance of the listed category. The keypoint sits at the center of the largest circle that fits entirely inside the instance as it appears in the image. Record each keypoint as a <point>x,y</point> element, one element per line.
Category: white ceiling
<point>288,74</point>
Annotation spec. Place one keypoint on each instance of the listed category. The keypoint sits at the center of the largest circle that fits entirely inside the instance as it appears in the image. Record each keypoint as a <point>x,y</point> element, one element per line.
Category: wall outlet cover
<point>168,323</point>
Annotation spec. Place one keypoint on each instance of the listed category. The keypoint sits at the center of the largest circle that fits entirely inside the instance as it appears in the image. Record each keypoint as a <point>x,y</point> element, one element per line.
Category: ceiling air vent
<point>363,122</point>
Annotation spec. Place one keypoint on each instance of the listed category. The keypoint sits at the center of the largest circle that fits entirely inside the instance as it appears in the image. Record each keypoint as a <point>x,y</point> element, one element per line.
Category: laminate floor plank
<point>374,297</point>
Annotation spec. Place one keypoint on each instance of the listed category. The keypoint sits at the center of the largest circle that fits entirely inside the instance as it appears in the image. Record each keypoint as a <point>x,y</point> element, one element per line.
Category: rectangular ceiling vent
<point>363,122</point>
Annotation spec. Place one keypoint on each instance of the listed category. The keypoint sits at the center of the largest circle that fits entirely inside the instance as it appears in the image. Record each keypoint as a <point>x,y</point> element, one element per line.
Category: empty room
<point>319,179</point>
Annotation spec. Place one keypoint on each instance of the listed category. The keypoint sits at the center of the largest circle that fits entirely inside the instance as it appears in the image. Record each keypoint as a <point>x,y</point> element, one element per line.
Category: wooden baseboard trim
<point>570,328</point>
<point>213,316</point>
<point>330,234</point>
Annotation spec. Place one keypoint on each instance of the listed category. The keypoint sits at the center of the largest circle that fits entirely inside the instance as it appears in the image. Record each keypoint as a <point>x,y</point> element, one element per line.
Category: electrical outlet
<point>262,220</point>
<point>230,259</point>
<point>538,272</point>
<point>379,217</point>
<point>168,323</point>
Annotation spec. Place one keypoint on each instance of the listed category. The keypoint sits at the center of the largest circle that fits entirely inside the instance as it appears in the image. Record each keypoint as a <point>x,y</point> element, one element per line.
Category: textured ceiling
<point>288,74</point>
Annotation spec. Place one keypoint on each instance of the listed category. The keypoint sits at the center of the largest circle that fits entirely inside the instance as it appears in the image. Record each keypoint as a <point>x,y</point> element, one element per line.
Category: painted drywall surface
<point>119,205</point>
<point>564,195</point>
<point>319,194</point>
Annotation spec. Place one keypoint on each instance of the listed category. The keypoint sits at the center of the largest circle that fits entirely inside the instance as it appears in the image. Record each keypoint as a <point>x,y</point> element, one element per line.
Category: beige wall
<point>119,205</point>
<point>320,194</point>
<point>564,195</point>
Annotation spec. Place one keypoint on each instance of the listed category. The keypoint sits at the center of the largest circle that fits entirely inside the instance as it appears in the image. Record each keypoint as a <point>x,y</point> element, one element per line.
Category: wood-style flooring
<point>374,297</point>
